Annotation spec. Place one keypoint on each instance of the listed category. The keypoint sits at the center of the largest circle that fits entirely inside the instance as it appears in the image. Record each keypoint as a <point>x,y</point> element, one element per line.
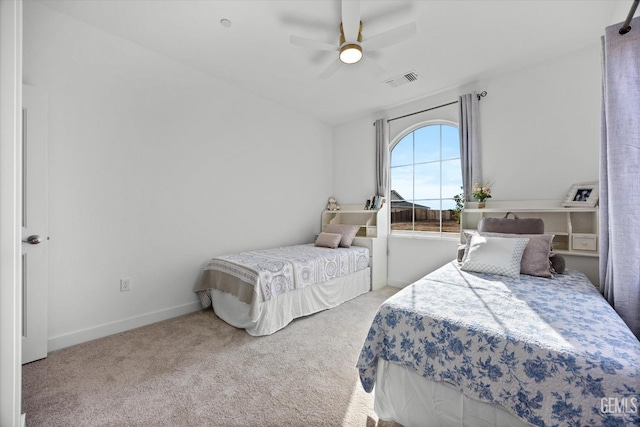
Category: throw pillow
<point>328,240</point>
<point>347,231</point>
<point>535,259</point>
<point>495,255</point>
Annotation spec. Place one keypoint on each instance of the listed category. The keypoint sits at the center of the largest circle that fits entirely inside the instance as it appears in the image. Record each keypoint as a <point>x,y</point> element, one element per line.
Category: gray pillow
<point>347,231</point>
<point>535,259</point>
<point>513,225</point>
<point>328,240</point>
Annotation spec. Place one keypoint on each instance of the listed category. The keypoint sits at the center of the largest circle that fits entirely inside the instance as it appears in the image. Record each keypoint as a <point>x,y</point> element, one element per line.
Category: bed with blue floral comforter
<point>551,351</point>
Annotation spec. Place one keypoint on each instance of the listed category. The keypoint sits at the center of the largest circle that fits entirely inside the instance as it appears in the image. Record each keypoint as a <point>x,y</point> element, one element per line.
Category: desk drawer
<point>584,242</point>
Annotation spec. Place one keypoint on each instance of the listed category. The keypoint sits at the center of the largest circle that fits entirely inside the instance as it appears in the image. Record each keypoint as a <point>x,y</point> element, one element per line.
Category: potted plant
<point>481,193</point>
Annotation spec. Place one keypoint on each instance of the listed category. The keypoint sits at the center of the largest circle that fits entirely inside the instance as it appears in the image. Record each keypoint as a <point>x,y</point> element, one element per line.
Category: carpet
<point>195,370</point>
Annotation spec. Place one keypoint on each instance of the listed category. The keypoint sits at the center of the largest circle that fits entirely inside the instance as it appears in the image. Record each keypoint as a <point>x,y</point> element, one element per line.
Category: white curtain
<point>470,154</point>
<point>620,174</point>
<point>382,157</point>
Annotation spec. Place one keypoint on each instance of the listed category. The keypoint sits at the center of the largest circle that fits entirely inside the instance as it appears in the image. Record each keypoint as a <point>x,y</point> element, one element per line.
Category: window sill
<point>424,236</point>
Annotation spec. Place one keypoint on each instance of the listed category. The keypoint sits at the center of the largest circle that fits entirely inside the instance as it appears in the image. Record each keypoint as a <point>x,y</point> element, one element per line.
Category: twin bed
<point>475,343</point>
<point>478,343</point>
<point>263,291</point>
<point>466,348</point>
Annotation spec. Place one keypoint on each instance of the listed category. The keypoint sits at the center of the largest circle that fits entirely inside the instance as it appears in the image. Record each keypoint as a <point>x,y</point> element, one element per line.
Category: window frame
<point>413,233</point>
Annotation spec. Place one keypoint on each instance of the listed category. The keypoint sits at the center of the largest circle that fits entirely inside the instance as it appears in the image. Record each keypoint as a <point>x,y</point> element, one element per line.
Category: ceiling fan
<point>351,48</point>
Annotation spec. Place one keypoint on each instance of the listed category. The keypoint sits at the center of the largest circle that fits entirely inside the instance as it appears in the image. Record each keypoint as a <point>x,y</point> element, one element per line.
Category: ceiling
<point>457,42</point>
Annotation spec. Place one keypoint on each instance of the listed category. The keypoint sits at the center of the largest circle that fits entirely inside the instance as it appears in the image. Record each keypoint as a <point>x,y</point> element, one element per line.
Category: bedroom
<point>137,190</point>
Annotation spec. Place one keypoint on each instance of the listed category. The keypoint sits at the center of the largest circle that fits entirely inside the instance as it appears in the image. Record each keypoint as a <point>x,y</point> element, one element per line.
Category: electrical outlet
<point>125,284</point>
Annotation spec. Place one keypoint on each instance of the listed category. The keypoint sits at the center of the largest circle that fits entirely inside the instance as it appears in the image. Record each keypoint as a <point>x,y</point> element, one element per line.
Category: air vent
<point>409,77</point>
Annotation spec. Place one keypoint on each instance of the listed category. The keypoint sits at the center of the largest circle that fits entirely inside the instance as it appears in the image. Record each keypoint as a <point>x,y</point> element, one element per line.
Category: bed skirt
<point>421,399</point>
<point>280,310</point>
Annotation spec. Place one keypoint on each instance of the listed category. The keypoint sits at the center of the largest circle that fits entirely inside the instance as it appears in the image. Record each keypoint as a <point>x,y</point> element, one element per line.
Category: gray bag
<point>513,225</point>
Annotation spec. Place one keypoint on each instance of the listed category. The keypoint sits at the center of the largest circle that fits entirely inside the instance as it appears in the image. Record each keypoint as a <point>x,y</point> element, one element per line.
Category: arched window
<point>425,179</point>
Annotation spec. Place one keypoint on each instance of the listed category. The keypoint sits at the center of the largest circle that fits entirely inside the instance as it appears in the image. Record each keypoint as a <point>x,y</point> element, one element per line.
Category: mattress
<point>549,351</point>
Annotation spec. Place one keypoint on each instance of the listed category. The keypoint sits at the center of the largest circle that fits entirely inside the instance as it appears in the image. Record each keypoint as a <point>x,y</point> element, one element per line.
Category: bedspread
<point>550,351</point>
<point>256,276</point>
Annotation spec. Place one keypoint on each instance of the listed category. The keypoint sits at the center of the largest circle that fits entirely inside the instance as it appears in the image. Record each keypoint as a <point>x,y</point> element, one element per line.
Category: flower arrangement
<point>481,193</point>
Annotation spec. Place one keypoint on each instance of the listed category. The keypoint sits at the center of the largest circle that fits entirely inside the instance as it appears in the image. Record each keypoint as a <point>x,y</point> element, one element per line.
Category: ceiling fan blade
<point>351,19</point>
<point>331,69</point>
<point>312,44</point>
<point>391,37</point>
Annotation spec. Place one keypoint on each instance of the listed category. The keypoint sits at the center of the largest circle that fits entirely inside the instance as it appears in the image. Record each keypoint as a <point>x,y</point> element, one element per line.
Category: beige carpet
<point>196,370</point>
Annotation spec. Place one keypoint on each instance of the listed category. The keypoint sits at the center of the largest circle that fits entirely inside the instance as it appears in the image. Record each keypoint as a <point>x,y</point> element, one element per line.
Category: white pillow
<point>535,258</point>
<point>495,255</point>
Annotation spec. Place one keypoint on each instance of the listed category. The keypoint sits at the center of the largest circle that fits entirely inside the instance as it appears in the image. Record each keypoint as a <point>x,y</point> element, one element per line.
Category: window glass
<point>427,181</point>
<point>402,177</point>
<point>402,153</point>
<point>451,178</point>
<point>425,175</point>
<point>427,144</point>
<point>450,143</point>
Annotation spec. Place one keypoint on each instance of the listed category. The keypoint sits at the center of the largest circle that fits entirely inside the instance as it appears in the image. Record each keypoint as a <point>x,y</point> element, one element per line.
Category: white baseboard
<point>398,283</point>
<point>23,420</point>
<point>100,331</point>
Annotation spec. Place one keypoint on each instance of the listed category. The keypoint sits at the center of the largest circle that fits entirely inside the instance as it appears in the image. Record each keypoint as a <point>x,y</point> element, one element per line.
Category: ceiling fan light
<point>350,53</point>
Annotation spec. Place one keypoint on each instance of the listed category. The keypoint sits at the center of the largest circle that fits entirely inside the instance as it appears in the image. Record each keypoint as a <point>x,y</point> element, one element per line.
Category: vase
<point>481,204</point>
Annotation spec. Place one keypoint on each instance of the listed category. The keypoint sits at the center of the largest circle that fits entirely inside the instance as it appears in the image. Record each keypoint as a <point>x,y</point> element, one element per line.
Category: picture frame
<point>582,195</point>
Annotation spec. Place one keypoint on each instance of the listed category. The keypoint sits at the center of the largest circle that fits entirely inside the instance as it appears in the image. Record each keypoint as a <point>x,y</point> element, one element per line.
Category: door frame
<point>10,212</point>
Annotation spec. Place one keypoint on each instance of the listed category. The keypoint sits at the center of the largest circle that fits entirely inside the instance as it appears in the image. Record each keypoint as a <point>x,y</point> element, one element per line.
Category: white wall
<point>541,128</point>
<point>540,134</point>
<point>154,168</point>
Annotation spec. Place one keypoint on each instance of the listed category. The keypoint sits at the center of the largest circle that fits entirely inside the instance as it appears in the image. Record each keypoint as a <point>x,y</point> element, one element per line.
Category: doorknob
<point>33,240</point>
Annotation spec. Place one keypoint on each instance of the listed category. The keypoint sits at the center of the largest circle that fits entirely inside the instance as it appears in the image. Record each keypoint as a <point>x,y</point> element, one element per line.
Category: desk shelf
<point>575,229</point>
<point>372,234</point>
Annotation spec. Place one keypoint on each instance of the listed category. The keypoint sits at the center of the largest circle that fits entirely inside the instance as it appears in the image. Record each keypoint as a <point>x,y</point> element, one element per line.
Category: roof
<point>397,201</point>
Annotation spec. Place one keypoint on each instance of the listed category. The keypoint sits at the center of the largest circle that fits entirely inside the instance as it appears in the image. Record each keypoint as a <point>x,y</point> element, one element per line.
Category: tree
<point>459,199</point>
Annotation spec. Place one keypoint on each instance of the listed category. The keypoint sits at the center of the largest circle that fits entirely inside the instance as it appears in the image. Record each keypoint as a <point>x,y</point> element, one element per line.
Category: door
<point>34,225</point>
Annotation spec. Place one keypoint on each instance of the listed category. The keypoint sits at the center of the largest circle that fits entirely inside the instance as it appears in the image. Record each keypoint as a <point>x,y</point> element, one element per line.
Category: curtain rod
<point>626,26</point>
<point>480,95</point>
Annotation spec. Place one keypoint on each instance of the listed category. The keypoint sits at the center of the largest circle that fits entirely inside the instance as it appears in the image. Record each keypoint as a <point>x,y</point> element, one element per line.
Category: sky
<point>423,148</point>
